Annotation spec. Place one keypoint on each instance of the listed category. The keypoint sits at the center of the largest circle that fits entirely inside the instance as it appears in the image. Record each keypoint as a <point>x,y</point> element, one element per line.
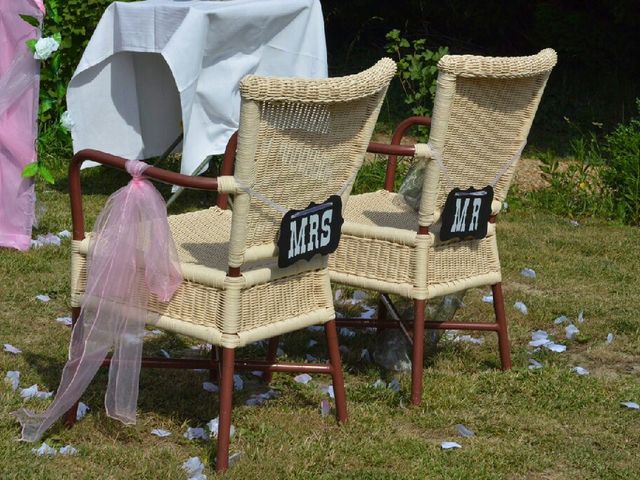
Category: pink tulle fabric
<point>131,256</point>
<point>19,84</point>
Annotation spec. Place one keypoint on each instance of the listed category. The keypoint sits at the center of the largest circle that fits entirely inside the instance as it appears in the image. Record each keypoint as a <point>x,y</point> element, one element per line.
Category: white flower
<point>67,122</point>
<point>45,47</point>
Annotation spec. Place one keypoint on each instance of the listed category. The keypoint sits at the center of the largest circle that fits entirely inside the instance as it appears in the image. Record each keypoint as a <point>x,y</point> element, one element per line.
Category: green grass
<point>529,424</point>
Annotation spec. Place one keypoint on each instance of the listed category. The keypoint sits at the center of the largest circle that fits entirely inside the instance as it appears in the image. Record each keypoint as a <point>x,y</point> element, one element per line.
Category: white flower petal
<point>303,378</point>
<point>631,405</point>
<point>13,378</point>
<point>43,298</point>
<point>555,347</point>
<point>210,387</point>
<point>82,410</point>
<point>560,319</point>
<point>68,450</point>
<point>44,450</point>
<point>521,307</point>
<point>580,370</point>
<point>450,445</point>
<point>571,331</point>
<point>528,273</point>
<point>65,321</point>
<point>159,432</point>
<point>464,431</point>
<point>610,337</point>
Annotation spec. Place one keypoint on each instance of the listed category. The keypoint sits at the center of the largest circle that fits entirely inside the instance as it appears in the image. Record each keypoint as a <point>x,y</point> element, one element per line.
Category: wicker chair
<point>483,111</point>
<point>299,141</point>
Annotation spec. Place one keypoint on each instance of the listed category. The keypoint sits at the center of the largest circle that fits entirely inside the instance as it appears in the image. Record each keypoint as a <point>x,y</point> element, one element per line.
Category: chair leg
<point>226,403</point>
<point>501,320</point>
<point>418,352</point>
<point>336,370</point>
<point>70,416</point>
<point>272,351</point>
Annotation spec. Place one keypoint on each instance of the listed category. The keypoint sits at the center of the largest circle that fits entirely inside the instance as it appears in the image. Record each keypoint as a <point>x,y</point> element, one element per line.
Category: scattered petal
<point>450,445</point>
<point>358,296</point>
<point>347,332</point>
<point>81,411</point>
<point>312,343</point>
<point>365,356</point>
<point>238,383</point>
<point>581,316</point>
<point>555,347</point>
<point>534,364</point>
<point>44,450</point>
<point>11,349</point>
<point>610,338</point>
<point>468,339</point>
<point>193,466</point>
<point>521,307</point>
<point>487,298</point>
<point>303,378</point>
<point>68,450</point>
<point>394,385</point>
<point>379,383</point>
<point>64,234</point>
<point>165,353</point>
<point>158,432</point>
<point>13,378</point>
<point>29,392</point>
<point>560,319</point>
<point>540,342</point>
<point>571,331</point>
<point>505,206</point>
<point>631,405</point>
<point>368,313</point>
<point>195,434</point>
<point>464,431</point>
<point>574,223</point>
<point>65,321</point>
<point>213,426</point>
<point>528,273</point>
<point>325,407</point>
<point>210,387</point>
<point>580,370</point>
<point>310,358</point>
<point>539,335</point>
<point>327,390</point>
<point>316,328</point>
<point>43,298</point>
<point>338,294</point>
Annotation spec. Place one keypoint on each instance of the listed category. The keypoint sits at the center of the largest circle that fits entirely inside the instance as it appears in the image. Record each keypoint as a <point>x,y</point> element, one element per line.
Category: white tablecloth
<point>155,67</point>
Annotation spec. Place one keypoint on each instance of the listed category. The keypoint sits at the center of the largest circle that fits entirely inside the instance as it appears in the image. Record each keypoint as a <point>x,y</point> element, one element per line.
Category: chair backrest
<point>299,141</point>
<point>483,111</point>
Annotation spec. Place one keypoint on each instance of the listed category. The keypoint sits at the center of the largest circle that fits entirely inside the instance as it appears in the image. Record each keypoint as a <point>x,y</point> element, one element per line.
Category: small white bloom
<point>66,121</point>
<point>45,48</point>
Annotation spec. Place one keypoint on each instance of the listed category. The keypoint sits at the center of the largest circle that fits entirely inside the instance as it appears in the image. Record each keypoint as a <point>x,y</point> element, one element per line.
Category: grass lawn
<point>547,423</point>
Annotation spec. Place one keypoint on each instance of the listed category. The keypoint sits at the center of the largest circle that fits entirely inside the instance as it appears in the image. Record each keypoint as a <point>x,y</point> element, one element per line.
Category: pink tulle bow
<point>131,255</point>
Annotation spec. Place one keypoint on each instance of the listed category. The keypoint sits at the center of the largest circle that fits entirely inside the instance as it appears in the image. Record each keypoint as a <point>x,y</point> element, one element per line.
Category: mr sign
<point>466,213</point>
<point>304,233</point>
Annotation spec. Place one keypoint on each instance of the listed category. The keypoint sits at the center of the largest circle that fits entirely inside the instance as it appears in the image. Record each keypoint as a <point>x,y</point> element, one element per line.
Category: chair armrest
<point>154,173</point>
<point>398,135</point>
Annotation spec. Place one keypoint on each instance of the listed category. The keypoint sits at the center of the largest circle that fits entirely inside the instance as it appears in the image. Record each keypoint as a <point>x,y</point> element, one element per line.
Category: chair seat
<point>198,306</point>
<point>381,250</point>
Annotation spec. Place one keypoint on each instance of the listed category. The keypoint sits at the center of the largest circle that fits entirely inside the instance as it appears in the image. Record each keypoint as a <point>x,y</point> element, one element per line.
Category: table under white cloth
<point>158,67</point>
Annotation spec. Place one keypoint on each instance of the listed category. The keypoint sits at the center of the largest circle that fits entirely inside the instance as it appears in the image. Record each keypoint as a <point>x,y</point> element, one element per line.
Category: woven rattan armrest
<point>154,173</point>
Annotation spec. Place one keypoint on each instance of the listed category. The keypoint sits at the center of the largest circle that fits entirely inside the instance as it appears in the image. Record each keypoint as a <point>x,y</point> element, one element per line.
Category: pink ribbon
<point>131,255</point>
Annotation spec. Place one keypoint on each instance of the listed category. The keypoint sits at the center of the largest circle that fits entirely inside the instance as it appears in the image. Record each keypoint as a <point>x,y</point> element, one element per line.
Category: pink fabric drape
<point>131,255</point>
<point>19,83</point>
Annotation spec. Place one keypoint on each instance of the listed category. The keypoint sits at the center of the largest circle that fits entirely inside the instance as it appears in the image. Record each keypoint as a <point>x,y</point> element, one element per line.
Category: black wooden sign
<point>466,213</point>
<point>305,233</point>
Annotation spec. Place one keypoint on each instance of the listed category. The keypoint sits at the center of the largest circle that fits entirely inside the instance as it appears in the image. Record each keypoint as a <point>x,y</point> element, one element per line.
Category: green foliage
<point>417,70</point>
<point>603,180</point>
<point>622,152</point>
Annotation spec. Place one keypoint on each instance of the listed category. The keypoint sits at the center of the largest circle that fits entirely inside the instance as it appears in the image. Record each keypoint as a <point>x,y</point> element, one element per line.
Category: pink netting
<point>19,81</point>
<point>131,254</point>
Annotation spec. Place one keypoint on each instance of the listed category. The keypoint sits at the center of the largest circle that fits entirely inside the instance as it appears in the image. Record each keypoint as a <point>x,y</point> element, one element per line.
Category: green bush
<point>417,71</point>
<point>622,175</point>
<point>602,180</point>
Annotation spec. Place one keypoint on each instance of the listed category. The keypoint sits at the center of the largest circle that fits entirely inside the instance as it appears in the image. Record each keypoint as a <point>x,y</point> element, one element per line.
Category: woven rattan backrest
<point>483,111</point>
<point>299,141</point>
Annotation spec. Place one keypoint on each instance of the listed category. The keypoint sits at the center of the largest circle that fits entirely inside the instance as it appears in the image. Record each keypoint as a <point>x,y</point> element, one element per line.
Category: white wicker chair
<point>299,141</point>
<point>483,111</point>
